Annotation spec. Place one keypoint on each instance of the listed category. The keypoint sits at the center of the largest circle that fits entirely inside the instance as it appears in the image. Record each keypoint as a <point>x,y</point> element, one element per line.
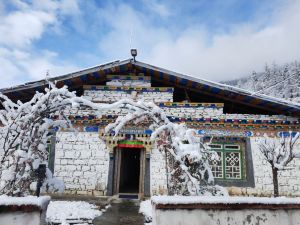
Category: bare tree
<point>279,154</point>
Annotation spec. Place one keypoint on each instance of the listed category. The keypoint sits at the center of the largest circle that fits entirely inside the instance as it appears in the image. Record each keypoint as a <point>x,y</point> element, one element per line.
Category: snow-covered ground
<point>75,212</point>
<point>146,210</point>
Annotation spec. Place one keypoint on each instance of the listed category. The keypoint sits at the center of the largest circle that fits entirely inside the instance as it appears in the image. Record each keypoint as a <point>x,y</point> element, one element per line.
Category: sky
<point>212,39</point>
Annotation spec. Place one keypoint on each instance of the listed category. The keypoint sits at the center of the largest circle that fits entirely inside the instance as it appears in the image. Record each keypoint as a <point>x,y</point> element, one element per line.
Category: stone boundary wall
<point>82,161</point>
<point>211,212</point>
<point>28,210</point>
<point>289,180</point>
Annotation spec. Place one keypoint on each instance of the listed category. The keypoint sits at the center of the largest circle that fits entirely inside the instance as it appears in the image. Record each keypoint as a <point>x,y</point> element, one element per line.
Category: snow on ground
<point>221,200</point>
<point>146,210</point>
<point>75,212</point>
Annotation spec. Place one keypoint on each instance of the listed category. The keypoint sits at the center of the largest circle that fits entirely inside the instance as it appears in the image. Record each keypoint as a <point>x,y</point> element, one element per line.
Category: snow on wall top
<point>165,200</point>
<point>28,200</point>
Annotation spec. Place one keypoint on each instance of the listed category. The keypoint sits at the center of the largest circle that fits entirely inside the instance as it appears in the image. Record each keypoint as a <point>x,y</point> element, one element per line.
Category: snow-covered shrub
<point>24,134</point>
<point>52,184</point>
<point>187,158</point>
<point>279,153</point>
<point>26,127</point>
<point>146,210</point>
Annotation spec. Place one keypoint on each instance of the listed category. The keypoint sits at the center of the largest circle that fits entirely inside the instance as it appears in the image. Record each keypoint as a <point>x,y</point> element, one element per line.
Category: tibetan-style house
<point>90,162</point>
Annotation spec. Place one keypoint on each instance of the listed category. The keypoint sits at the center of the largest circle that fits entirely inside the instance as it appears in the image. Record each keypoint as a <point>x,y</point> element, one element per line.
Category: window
<point>231,163</point>
<point>51,152</point>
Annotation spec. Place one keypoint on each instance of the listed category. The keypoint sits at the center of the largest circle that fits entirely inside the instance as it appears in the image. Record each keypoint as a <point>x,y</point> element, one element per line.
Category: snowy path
<point>72,212</point>
<point>125,213</point>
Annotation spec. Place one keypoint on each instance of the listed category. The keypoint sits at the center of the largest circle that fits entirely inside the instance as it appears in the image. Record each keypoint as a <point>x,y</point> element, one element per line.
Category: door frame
<point>117,171</point>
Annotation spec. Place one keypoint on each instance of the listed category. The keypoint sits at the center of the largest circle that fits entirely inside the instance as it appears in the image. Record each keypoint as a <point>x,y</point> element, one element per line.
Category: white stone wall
<point>130,83</point>
<point>17,218</point>
<point>289,180</point>
<point>158,176</point>
<point>194,112</point>
<point>82,162</point>
<point>200,216</point>
<point>113,96</point>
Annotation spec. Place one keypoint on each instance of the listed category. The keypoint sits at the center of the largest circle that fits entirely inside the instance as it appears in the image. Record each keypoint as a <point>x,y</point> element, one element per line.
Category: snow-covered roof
<point>223,91</point>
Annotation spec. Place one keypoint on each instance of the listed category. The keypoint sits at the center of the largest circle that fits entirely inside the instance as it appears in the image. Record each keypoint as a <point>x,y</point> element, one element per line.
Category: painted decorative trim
<point>245,123</point>
<point>287,133</point>
<point>121,140</point>
<point>128,88</point>
<point>130,144</point>
<point>140,77</point>
<point>190,105</point>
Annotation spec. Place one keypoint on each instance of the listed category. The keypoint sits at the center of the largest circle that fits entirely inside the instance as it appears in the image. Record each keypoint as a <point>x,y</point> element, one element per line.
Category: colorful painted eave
<point>99,73</point>
<point>223,90</point>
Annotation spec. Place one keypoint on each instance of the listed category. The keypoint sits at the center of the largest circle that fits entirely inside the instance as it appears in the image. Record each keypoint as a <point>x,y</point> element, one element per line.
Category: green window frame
<point>231,163</point>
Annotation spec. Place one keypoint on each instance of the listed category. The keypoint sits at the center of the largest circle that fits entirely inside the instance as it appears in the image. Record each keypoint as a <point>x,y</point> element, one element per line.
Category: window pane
<point>233,165</point>
<point>215,146</point>
<point>217,166</point>
<point>232,147</point>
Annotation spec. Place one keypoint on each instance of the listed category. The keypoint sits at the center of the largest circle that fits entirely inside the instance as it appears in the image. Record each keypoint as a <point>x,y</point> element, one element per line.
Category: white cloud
<point>21,66</point>
<point>157,7</point>
<point>122,20</point>
<point>195,50</point>
<point>20,28</point>
<point>246,47</point>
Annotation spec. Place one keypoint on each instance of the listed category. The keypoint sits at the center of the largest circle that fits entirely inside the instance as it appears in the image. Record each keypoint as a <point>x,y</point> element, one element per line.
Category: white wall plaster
<point>82,161</point>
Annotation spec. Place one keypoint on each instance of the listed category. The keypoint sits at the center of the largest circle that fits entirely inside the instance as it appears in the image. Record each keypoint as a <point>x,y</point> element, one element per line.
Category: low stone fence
<point>225,210</point>
<point>23,210</point>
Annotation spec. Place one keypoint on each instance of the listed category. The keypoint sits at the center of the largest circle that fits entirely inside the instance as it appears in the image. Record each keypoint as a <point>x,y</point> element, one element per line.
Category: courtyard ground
<point>111,211</point>
<point>122,212</point>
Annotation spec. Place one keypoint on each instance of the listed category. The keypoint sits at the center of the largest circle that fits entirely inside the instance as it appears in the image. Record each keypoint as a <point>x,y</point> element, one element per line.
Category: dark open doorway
<point>130,170</point>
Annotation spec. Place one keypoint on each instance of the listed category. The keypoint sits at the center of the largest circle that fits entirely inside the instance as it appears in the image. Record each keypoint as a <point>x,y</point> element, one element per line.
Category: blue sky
<point>211,39</point>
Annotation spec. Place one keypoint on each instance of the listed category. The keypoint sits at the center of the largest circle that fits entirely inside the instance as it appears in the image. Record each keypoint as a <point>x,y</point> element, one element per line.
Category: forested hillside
<point>281,81</point>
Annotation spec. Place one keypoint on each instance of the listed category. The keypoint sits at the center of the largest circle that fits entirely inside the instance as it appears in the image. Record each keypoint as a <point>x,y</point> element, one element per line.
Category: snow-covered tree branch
<point>187,158</point>
<point>279,154</point>
<point>27,126</point>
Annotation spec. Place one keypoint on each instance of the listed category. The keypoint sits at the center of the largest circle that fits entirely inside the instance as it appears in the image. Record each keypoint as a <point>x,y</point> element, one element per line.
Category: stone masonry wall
<point>158,177</point>
<point>196,112</point>
<point>130,83</point>
<point>289,180</point>
<point>82,161</point>
<point>113,96</point>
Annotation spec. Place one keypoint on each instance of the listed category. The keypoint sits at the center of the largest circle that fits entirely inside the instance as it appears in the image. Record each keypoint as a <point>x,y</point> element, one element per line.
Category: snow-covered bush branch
<point>279,153</point>
<point>187,158</point>
<point>27,126</point>
<point>24,133</point>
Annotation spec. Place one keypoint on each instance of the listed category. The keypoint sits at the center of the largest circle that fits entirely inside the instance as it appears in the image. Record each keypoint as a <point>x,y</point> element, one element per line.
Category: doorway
<point>130,170</point>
